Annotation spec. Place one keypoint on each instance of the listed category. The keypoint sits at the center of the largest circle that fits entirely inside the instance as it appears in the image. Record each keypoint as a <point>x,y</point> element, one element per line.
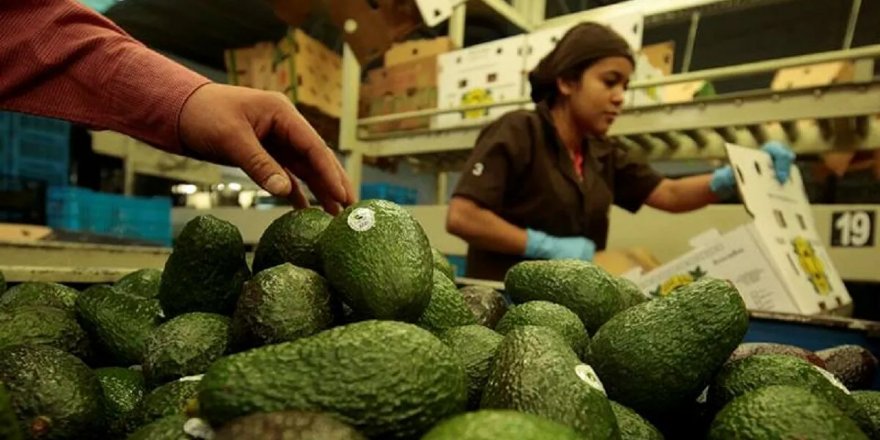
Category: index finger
<point>306,141</point>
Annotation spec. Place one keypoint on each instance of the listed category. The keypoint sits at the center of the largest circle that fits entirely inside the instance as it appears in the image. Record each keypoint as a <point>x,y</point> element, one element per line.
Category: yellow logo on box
<point>474,97</point>
<point>678,280</point>
<point>811,265</point>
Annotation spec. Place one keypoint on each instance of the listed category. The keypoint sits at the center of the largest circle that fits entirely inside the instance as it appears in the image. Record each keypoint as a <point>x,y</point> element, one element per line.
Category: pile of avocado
<point>352,327</point>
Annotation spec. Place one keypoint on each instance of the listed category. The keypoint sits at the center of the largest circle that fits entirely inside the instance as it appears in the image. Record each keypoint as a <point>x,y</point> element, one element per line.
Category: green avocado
<point>386,379</point>
<point>377,257</point>
<point>446,309</point>
<point>553,316</point>
<point>282,304</point>
<point>535,371</point>
<point>205,270</point>
<point>586,289</point>
<point>782,412</point>
<point>501,424</point>
<point>54,394</point>
<point>292,238</point>
<point>672,345</point>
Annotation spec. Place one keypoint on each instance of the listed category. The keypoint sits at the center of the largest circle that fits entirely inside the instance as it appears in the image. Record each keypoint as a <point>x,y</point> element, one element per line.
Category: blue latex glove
<point>540,245</point>
<point>723,182</point>
<point>782,156</point>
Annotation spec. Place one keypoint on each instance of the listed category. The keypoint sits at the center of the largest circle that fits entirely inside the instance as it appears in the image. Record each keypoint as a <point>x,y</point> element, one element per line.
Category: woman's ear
<point>566,87</point>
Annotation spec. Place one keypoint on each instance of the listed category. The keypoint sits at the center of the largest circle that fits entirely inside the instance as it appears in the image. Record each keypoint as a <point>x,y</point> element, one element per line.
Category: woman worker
<point>539,184</point>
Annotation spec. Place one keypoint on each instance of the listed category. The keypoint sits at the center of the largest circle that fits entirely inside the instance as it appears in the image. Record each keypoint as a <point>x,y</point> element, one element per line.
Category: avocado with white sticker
<point>536,371</point>
<point>377,257</point>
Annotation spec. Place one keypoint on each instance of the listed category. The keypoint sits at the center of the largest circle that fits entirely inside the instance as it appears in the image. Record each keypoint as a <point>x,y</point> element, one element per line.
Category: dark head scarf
<point>582,44</point>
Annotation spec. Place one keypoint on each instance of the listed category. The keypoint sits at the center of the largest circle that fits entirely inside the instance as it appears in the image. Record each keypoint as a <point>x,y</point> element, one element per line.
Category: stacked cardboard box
<point>302,68</point>
<point>408,82</point>
<point>483,74</point>
<point>309,72</point>
<point>652,62</point>
<point>414,50</point>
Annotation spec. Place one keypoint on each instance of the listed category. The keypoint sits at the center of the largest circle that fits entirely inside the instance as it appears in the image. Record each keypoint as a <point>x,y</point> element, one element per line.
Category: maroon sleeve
<point>62,60</point>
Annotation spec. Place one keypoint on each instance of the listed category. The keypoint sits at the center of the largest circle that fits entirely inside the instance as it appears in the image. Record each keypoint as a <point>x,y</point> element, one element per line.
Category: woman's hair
<point>572,75</point>
<point>579,48</point>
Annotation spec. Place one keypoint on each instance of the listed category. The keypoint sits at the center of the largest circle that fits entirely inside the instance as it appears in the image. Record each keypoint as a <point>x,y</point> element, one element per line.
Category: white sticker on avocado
<point>586,374</point>
<point>831,378</point>
<point>703,396</point>
<point>362,219</point>
<point>195,378</point>
<point>198,428</point>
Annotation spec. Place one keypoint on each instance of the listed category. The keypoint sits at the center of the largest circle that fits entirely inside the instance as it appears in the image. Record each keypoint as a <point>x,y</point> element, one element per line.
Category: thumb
<point>255,161</point>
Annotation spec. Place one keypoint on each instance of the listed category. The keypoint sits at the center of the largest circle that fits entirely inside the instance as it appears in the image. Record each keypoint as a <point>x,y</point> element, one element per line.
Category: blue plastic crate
<point>386,191</point>
<point>37,124</point>
<point>38,156</point>
<point>80,209</point>
<point>459,264</point>
<point>36,148</point>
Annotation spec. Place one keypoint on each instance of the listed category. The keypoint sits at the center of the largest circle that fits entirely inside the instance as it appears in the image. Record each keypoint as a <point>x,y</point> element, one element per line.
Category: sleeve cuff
<point>148,94</point>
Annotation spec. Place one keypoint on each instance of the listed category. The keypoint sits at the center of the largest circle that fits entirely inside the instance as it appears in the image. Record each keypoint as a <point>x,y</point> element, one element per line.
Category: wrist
<point>534,243</point>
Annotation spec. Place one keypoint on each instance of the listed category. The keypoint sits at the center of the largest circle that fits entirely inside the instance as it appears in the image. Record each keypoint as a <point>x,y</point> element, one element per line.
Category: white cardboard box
<point>777,261</point>
<point>653,61</point>
<point>486,73</point>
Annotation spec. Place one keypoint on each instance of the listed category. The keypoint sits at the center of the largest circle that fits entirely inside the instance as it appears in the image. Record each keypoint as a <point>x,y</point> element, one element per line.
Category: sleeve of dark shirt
<point>498,158</point>
<point>634,180</point>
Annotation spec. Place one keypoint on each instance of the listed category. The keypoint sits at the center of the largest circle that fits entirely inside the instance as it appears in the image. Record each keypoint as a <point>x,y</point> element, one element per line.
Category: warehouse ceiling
<point>200,30</point>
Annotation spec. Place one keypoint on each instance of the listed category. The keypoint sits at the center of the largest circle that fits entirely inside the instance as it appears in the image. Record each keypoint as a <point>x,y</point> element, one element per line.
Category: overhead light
<point>235,186</point>
<point>221,187</point>
<point>184,189</point>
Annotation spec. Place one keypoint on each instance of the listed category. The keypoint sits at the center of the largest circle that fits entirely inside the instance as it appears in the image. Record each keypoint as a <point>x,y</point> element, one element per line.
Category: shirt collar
<point>593,146</point>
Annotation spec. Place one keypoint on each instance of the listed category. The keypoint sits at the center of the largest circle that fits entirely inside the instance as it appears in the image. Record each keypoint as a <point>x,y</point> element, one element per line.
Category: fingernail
<point>277,185</point>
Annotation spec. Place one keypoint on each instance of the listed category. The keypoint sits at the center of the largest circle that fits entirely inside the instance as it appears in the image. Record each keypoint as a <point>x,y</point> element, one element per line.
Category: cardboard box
<point>814,75</point>
<point>417,49</point>
<point>777,262</point>
<point>369,27</point>
<point>249,65</point>
<point>652,62</point>
<point>309,73</point>
<point>299,66</point>
<point>618,261</point>
<point>687,91</point>
<point>486,73</point>
<point>817,75</point>
<point>541,43</point>
<point>400,88</point>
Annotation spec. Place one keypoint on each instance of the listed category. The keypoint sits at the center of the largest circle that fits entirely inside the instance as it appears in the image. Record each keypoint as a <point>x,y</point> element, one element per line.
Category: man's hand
<point>263,134</point>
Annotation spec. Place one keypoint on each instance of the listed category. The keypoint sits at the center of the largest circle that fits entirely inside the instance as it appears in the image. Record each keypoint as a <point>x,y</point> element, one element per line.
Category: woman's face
<point>597,99</point>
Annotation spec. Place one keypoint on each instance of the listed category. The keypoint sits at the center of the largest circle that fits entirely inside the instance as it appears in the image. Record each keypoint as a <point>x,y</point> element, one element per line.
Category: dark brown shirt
<point>521,171</point>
